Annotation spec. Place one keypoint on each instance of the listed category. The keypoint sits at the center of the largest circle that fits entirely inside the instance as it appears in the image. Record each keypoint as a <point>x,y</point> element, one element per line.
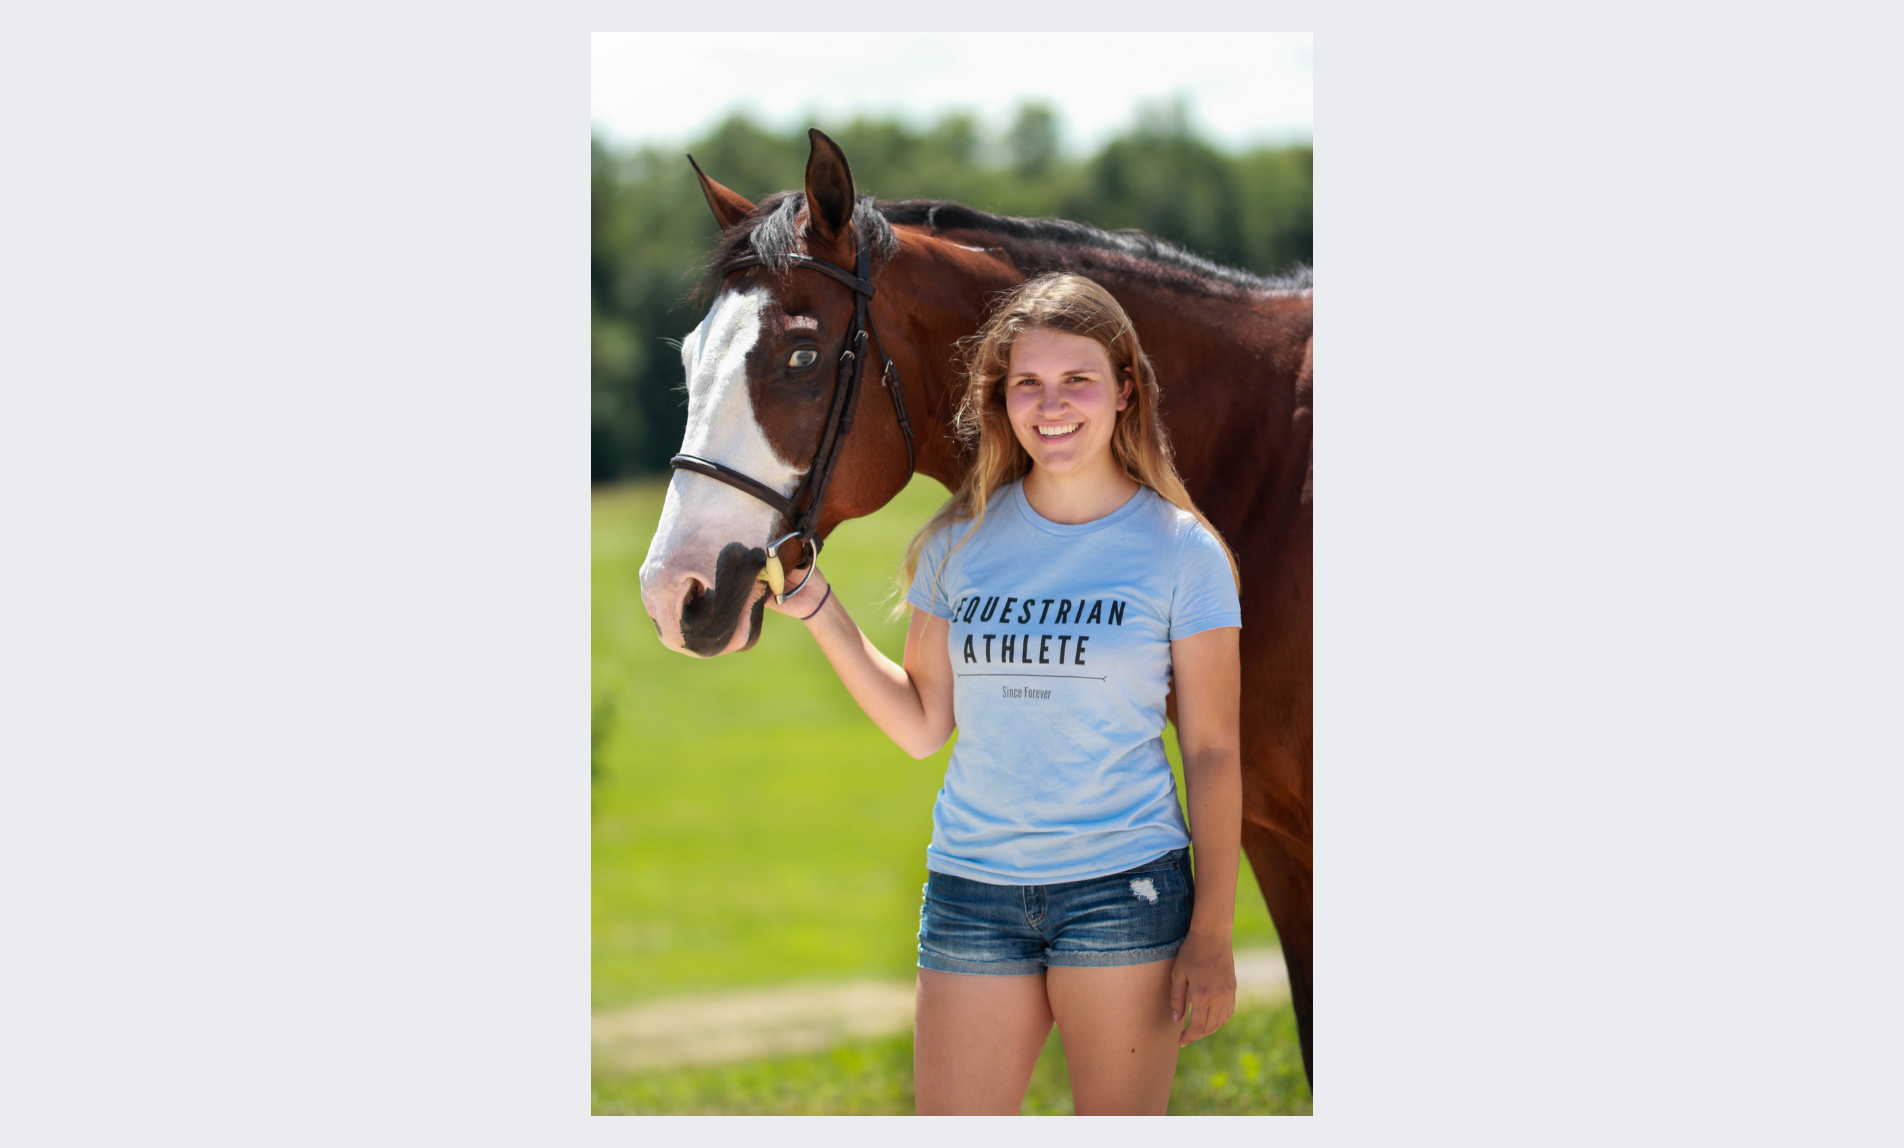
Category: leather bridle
<point>805,521</point>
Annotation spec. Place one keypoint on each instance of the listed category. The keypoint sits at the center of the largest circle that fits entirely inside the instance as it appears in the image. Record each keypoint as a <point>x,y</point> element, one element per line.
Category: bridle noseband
<point>839,421</point>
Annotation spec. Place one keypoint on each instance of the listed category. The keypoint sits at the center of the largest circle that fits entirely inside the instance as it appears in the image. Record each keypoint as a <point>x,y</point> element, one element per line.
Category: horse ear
<point>728,207</point>
<point>829,188</point>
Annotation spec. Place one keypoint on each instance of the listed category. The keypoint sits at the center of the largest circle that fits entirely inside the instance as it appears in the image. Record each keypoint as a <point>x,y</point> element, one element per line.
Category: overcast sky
<point>666,88</point>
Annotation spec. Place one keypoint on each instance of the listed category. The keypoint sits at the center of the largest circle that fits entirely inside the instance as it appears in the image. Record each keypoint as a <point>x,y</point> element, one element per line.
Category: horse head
<point>770,395</point>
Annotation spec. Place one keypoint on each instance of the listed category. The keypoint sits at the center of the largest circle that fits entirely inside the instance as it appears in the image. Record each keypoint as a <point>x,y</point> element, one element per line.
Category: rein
<point>839,422</point>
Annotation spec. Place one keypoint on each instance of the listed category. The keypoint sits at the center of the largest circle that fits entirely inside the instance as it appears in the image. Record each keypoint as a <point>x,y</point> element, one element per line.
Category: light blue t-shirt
<point>1060,645</point>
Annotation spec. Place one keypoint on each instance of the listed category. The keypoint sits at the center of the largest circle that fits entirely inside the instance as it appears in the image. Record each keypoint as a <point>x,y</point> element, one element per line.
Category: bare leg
<point>1120,1044</point>
<point>976,1040</point>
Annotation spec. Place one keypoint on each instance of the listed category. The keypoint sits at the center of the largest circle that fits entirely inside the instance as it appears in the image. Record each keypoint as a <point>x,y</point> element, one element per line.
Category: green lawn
<point>751,826</point>
<point>1250,1066</point>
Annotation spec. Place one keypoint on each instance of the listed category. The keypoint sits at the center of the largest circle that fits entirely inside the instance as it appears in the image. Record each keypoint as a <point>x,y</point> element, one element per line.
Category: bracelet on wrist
<point>822,605</point>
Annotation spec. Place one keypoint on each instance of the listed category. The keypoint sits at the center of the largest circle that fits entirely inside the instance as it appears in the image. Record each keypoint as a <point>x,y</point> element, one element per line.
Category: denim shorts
<point>1129,918</point>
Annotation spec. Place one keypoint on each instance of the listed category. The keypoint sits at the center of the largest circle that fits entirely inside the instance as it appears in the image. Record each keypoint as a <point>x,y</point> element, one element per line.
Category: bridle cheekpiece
<point>805,521</point>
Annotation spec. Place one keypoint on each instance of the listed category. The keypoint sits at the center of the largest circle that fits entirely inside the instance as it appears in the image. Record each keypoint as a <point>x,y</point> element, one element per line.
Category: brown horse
<point>1232,351</point>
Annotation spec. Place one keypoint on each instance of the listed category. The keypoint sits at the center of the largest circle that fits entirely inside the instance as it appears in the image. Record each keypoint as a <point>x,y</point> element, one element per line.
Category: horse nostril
<point>696,591</point>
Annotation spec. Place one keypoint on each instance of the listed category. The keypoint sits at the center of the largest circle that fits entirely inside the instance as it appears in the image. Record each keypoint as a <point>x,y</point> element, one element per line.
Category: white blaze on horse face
<point>701,515</point>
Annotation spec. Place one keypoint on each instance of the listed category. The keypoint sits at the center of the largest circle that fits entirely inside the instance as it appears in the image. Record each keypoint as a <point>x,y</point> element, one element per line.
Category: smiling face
<point>1062,396</point>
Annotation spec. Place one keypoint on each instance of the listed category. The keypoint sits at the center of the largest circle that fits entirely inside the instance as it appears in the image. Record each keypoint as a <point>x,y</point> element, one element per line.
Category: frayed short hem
<point>1017,968</point>
<point>1112,960</point>
<point>1032,968</point>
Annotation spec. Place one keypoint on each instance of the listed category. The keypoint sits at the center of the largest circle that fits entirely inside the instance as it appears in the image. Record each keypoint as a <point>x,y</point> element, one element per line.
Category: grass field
<point>1249,1067</point>
<point>751,826</point>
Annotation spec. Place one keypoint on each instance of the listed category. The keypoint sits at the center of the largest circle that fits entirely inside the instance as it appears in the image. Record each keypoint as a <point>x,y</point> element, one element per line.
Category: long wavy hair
<point>1071,303</point>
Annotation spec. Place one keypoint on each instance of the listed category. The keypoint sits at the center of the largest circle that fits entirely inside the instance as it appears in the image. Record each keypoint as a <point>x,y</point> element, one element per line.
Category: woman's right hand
<point>806,601</point>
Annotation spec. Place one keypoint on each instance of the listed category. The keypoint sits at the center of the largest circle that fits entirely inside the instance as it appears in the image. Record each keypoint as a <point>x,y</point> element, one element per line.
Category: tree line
<point>650,227</point>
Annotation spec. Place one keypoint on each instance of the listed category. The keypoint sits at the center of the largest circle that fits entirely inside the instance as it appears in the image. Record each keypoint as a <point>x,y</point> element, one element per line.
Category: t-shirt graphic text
<point>1017,648</point>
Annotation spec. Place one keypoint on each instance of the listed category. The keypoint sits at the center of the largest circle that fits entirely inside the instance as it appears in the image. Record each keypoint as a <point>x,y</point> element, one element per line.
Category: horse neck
<point>933,294</point>
<point>1190,322</point>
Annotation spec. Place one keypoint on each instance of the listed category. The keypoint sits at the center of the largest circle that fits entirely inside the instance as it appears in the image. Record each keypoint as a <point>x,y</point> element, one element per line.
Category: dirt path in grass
<point>807,1018</point>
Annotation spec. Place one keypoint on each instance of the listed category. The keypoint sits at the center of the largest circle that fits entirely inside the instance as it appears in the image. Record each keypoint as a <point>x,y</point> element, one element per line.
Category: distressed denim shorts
<point>1129,918</point>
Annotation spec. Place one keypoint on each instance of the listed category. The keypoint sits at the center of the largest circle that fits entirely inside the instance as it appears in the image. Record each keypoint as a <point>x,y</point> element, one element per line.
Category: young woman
<point>1059,594</point>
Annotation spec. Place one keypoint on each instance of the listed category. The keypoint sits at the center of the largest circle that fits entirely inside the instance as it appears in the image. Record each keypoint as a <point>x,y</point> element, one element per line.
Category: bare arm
<point>912,703</point>
<point>1208,682</point>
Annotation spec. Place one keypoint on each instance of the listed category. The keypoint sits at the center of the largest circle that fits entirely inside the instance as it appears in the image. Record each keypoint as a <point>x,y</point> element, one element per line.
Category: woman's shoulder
<point>1190,548</point>
<point>955,532</point>
<point>1001,511</point>
<point>1170,520</point>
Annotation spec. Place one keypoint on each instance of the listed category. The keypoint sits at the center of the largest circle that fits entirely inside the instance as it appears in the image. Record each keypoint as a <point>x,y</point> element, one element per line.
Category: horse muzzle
<point>700,612</point>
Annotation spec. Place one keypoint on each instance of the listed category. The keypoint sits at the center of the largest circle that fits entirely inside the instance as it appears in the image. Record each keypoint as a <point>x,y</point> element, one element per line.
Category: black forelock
<point>772,233</point>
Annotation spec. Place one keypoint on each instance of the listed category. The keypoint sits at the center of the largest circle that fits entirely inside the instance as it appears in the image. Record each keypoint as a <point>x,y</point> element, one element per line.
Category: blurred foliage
<point>651,228</point>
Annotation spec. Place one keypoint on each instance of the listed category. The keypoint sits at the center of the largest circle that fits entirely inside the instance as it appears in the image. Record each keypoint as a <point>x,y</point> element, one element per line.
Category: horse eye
<point>803,358</point>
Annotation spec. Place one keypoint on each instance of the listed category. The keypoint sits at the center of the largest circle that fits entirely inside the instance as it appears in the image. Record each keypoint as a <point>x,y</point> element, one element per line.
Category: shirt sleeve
<point>1205,594</point>
<point>927,592</point>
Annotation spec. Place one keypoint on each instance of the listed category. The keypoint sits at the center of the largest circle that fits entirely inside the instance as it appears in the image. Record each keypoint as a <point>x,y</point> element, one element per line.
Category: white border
<point>293,472</point>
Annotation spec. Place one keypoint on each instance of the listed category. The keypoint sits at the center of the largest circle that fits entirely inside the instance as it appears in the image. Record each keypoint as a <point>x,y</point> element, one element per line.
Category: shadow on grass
<point>1247,1068</point>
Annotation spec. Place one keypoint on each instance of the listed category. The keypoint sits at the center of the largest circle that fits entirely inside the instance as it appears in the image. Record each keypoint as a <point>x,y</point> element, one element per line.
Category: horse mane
<point>1035,245</point>
<point>1039,245</point>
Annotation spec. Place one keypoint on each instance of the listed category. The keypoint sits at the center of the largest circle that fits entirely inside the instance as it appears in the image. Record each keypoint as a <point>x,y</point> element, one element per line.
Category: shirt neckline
<point>1072,530</point>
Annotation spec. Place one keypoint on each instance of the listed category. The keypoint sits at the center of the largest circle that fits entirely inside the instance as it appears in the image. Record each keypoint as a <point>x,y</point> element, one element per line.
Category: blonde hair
<point>1060,301</point>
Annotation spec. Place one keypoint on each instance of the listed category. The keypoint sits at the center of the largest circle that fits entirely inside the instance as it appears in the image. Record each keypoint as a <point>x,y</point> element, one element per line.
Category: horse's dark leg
<point>1278,755</point>
<point>1286,884</point>
<point>1277,782</point>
